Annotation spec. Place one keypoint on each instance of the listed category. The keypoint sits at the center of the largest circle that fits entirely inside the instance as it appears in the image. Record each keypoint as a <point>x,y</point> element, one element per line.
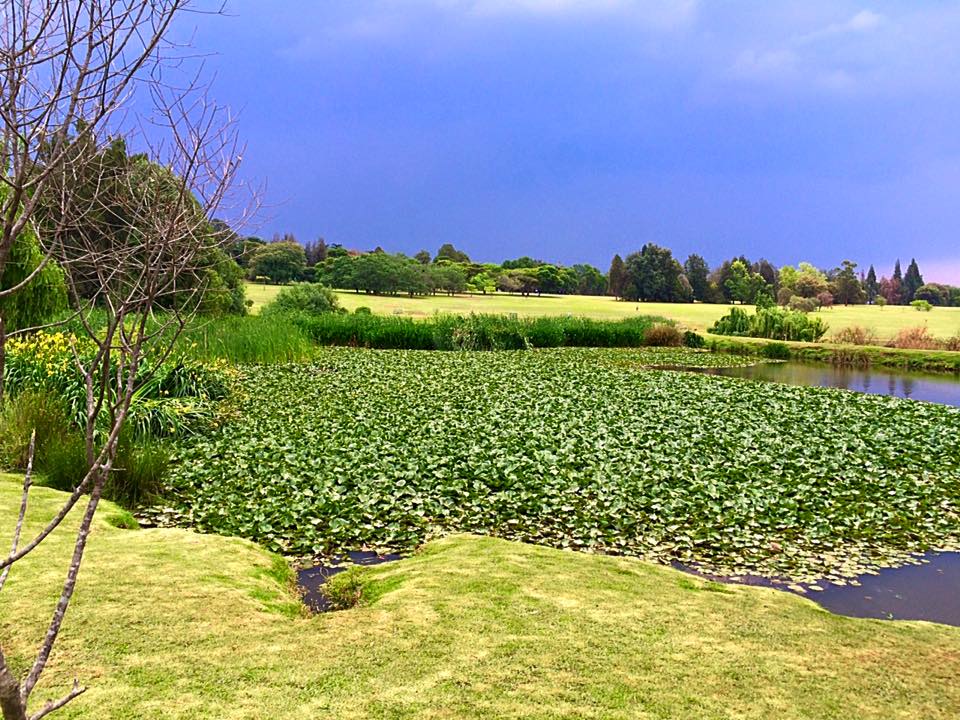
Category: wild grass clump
<point>915,338</point>
<point>344,590</point>
<point>482,332</point>
<point>60,456</point>
<point>855,335</point>
<point>248,340</point>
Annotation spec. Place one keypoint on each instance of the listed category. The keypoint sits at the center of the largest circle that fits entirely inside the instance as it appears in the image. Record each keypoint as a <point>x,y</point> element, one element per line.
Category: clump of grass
<point>663,335</point>
<point>248,339</point>
<point>855,335</point>
<point>344,590</point>
<point>915,338</point>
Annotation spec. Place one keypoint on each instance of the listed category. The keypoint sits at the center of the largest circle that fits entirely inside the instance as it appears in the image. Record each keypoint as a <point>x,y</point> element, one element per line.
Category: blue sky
<point>574,129</point>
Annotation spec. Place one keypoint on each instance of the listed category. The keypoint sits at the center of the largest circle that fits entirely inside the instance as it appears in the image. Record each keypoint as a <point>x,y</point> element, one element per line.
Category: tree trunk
<point>3,354</point>
<point>11,705</point>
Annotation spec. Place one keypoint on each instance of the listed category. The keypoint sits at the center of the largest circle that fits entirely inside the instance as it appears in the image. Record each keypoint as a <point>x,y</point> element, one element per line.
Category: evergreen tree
<point>616,277</point>
<point>871,285</point>
<point>697,272</point>
<point>912,281</point>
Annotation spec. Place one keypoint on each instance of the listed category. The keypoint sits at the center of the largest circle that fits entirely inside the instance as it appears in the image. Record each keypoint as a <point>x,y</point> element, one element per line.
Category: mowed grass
<point>172,624</point>
<point>885,322</point>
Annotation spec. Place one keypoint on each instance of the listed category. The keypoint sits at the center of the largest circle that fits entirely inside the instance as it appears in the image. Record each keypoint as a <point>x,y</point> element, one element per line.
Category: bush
<point>825,299</point>
<point>663,335</point>
<point>915,338</point>
<point>775,351</point>
<point>772,323</point>
<point>802,304</point>
<point>953,343</point>
<point>922,305</point>
<point>694,340</point>
<point>20,415</point>
<point>344,590</point>
<point>310,298</point>
<point>855,335</point>
<point>363,310</point>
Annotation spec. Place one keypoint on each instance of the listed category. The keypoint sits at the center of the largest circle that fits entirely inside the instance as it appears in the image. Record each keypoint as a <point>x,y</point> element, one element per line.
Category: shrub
<point>363,310</point>
<point>922,305</point>
<point>310,298</point>
<point>663,335</point>
<point>344,590</point>
<point>775,351</point>
<point>825,299</point>
<point>953,343</point>
<point>855,335</point>
<point>915,338</point>
<point>694,340</point>
<point>802,304</point>
<point>772,323</point>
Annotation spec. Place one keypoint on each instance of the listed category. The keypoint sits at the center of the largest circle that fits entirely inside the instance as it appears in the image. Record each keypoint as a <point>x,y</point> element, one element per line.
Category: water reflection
<point>944,389</point>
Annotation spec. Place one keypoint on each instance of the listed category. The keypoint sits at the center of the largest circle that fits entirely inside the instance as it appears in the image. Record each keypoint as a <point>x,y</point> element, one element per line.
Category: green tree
<point>422,257</point>
<point>871,286</point>
<point>744,285</point>
<point>310,298</point>
<point>846,285</point>
<point>654,275</point>
<point>281,262</point>
<point>41,298</point>
<point>912,281</point>
<point>449,252</point>
<point>616,277</point>
<point>698,272</point>
<point>590,281</point>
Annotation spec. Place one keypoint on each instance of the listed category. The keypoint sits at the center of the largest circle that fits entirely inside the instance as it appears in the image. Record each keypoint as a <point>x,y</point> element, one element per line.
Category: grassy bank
<point>170,624</point>
<point>934,361</point>
<point>886,322</point>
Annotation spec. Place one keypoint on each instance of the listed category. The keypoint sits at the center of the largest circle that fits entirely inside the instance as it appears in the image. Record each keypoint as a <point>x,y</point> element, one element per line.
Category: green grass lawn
<point>886,322</point>
<point>171,624</point>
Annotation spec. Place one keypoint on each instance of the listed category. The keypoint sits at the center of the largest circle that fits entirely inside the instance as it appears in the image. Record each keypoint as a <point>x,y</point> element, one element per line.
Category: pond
<point>943,389</point>
<point>929,590</point>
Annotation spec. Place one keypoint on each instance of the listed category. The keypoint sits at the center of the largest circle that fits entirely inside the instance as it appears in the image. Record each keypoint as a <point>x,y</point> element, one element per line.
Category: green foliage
<point>694,340</point>
<point>773,323</point>
<point>344,590</point>
<point>654,275</point>
<point>775,351</point>
<point>43,297</point>
<point>280,262</point>
<point>252,339</point>
<point>60,454</point>
<point>921,305</point>
<point>310,298</point>
<point>476,332</point>
<point>386,448</point>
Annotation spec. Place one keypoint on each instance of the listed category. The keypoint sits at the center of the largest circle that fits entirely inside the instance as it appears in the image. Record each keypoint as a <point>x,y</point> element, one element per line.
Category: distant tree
<point>336,250</point>
<point>482,282</point>
<point>846,285</point>
<point>912,281</point>
<point>41,298</point>
<point>422,257</point>
<point>744,285</point>
<point>933,293</point>
<point>449,252</point>
<point>281,261</point>
<point>766,269</point>
<point>697,272</point>
<point>889,291</point>
<point>871,286</point>
<point>616,277</point>
<point>316,252</point>
<point>590,281</point>
<point>825,299</point>
<point>521,263</point>
<point>653,274</point>
<point>310,298</point>
<point>450,278</point>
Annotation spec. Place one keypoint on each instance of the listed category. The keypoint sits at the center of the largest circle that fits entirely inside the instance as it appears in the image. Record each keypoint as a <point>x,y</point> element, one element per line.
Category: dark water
<point>928,591</point>
<point>944,389</point>
<point>311,579</point>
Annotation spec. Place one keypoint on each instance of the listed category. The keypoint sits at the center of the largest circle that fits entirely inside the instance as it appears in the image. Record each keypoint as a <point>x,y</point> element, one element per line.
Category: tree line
<point>651,274</point>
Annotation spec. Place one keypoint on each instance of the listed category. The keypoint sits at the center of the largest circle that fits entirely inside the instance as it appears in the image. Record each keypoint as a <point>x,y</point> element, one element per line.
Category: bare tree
<point>66,66</point>
<point>132,231</point>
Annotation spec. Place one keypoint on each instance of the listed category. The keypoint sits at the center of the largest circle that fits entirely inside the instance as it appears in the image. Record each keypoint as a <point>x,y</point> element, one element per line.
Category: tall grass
<point>249,339</point>
<point>479,332</point>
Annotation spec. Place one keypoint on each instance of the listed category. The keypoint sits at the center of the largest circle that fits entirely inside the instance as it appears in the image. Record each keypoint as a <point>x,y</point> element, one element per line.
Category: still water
<point>944,389</point>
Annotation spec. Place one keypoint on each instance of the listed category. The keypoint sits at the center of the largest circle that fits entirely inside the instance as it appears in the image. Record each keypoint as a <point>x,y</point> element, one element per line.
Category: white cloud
<point>662,14</point>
